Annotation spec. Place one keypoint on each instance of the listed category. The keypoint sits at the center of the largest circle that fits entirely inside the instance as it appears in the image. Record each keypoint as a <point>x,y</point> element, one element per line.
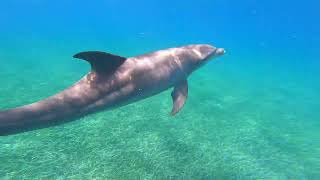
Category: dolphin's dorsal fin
<point>179,96</point>
<point>101,62</point>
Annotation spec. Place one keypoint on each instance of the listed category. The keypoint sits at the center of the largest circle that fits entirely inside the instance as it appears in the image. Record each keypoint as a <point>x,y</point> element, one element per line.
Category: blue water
<point>251,114</point>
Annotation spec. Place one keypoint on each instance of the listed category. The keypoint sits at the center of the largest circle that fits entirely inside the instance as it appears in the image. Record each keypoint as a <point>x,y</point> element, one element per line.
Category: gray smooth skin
<point>112,82</point>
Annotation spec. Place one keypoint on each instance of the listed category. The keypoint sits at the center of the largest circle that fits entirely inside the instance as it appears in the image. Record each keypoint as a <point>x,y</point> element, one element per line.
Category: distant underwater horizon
<point>252,113</point>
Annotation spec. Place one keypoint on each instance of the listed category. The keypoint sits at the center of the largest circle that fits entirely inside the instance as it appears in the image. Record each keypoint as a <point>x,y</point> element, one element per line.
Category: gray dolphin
<point>112,82</point>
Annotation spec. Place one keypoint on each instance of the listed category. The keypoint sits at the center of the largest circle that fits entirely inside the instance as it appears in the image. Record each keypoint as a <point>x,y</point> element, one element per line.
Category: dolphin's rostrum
<point>112,82</point>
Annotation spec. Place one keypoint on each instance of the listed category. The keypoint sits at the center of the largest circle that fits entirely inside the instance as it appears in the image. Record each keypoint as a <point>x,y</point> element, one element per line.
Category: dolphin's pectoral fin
<point>179,96</point>
<point>101,62</point>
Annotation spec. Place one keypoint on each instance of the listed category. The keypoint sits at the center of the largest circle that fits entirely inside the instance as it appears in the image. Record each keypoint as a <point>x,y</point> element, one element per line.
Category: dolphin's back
<point>68,104</point>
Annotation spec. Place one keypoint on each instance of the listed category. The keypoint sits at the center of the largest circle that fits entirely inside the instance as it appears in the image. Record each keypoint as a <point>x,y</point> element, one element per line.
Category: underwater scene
<point>251,113</point>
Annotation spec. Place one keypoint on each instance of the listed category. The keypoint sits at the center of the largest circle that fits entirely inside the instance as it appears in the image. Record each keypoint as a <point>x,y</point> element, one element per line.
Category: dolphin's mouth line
<point>220,51</point>
<point>216,53</point>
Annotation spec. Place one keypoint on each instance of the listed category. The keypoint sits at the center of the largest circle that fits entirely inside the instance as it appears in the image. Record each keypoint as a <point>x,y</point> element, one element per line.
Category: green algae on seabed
<point>223,132</point>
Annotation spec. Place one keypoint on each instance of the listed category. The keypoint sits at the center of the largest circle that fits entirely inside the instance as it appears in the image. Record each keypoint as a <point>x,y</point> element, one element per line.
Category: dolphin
<point>113,81</point>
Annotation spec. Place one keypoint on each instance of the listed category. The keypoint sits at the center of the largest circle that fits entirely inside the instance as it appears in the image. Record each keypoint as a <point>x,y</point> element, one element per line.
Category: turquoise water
<point>251,114</point>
